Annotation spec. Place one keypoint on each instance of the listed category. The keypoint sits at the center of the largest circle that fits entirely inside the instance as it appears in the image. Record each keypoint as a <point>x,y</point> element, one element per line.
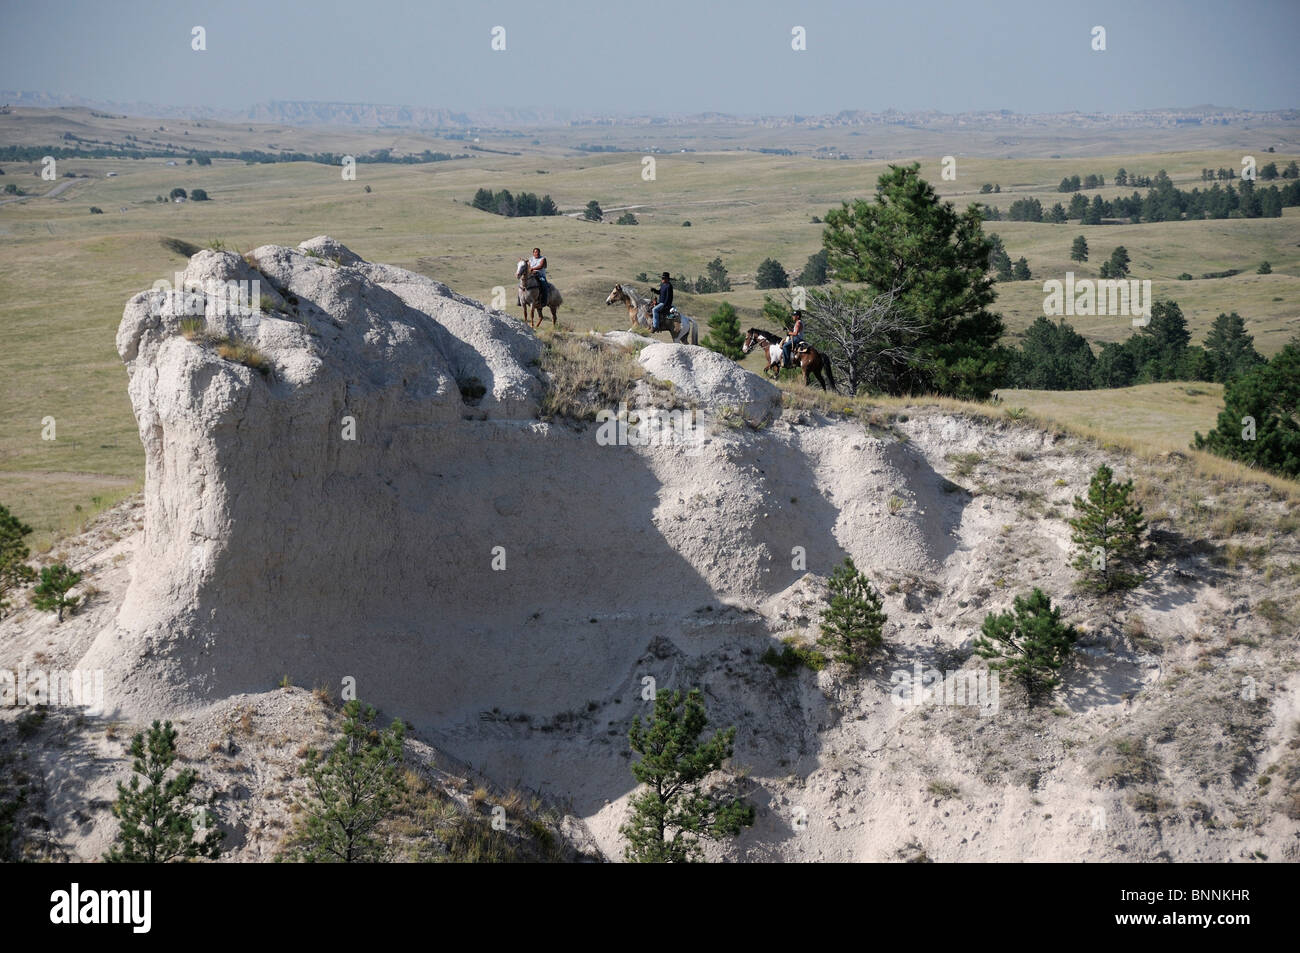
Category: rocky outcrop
<point>707,377</point>
<point>352,481</point>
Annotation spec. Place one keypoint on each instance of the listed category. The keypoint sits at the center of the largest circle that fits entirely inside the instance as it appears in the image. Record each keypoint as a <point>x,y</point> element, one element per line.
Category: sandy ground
<point>1153,749</point>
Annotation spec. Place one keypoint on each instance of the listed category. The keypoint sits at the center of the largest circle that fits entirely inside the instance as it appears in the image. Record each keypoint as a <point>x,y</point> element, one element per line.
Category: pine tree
<point>1079,250</point>
<point>814,272</point>
<point>718,275</point>
<point>724,333</point>
<point>593,211</point>
<point>351,790</point>
<point>1030,643</point>
<point>1108,532</point>
<point>157,822</point>
<point>1231,350</point>
<point>1020,270</point>
<point>771,274</point>
<point>677,809</point>
<point>853,624</point>
<point>911,240</point>
<point>1119,262</point>
<point>51,593</point>
<point>14,571</point>
<point>1052,357</point>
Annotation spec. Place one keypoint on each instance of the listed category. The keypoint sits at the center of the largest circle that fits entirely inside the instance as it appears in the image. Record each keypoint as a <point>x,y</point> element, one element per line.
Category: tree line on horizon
<point>1164,202</point>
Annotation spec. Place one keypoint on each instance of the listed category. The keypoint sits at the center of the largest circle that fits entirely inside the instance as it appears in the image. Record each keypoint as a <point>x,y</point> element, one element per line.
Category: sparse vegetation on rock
<point>51,592</point>
<point>852,627</point>
<point>159,822</point>
<point>678,808</point>
<point>1109,534</point>
<point>352,788</point>
<point>1029,643</point>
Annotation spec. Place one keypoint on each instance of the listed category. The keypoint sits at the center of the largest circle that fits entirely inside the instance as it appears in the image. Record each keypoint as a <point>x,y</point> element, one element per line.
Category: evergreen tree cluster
<point>1053,356</point>
<point>1166,203</point>
<point>1072,183</point>
<point>523,205</point>
<point>1259,424</point>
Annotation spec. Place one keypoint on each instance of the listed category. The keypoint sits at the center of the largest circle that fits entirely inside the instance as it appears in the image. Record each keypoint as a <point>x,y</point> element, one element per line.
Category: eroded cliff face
<point>386,504</point>
<point>381,501</point>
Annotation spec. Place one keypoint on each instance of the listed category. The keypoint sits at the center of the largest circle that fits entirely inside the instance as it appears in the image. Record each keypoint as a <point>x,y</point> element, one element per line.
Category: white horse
<point>528,293</point>
<point>679,326</point>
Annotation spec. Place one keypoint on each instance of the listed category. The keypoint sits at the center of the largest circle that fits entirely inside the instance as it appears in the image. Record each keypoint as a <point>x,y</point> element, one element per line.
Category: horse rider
<point>537,268</point>
<point>793,337</point>
<point>665,300</point>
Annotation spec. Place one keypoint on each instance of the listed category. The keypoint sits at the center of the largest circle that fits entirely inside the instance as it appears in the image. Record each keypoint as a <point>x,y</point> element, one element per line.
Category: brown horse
<point>529,293</point>
<point>678,325</point>
<point>810,360</point>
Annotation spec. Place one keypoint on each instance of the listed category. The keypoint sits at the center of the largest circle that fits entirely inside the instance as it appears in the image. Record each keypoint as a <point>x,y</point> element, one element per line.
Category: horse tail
<point>695,331</point>
<point>829,376</point>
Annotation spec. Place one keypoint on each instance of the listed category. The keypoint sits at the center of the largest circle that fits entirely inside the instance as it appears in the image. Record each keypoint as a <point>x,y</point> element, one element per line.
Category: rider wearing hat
<point>793,337</point>
<point>665,300</point>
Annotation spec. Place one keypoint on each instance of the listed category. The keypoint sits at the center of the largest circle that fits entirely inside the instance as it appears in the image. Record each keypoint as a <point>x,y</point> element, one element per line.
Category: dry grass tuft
<point>584,376</point>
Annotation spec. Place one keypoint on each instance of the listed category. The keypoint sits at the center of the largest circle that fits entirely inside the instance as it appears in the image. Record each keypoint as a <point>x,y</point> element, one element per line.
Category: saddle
<point>541,287</point>
<point>663,322</point>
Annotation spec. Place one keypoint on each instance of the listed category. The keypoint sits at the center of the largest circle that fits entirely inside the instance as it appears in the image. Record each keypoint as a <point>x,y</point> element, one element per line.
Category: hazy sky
<point>663,55</point>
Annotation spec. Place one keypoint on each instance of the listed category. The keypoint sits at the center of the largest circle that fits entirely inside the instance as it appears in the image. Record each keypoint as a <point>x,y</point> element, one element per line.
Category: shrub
<point>240,351</point>
<point>791,657</point>
<point>1030,642</point>
<point>157,823</point>
<point>51,593</point>
<point>14,571</point>
<point>676,809</point>
<point>351,790</point>
<point>179,246</point>
<point>853,623</point>
<point>1109,534</point>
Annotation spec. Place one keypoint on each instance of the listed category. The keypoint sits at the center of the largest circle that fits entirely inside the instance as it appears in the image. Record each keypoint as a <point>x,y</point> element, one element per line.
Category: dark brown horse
<point>810,359</point>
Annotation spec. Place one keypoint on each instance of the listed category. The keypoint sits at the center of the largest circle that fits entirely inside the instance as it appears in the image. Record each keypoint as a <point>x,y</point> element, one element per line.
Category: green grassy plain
<point>66,273</point>
<point>1162,416</point>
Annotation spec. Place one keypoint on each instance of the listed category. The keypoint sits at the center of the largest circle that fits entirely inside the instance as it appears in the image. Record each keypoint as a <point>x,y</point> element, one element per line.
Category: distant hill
<point>376,115</point>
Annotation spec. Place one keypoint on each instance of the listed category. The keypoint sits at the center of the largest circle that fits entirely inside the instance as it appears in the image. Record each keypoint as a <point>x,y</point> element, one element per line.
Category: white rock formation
<point>384,504</point>
<point>708,377</point>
